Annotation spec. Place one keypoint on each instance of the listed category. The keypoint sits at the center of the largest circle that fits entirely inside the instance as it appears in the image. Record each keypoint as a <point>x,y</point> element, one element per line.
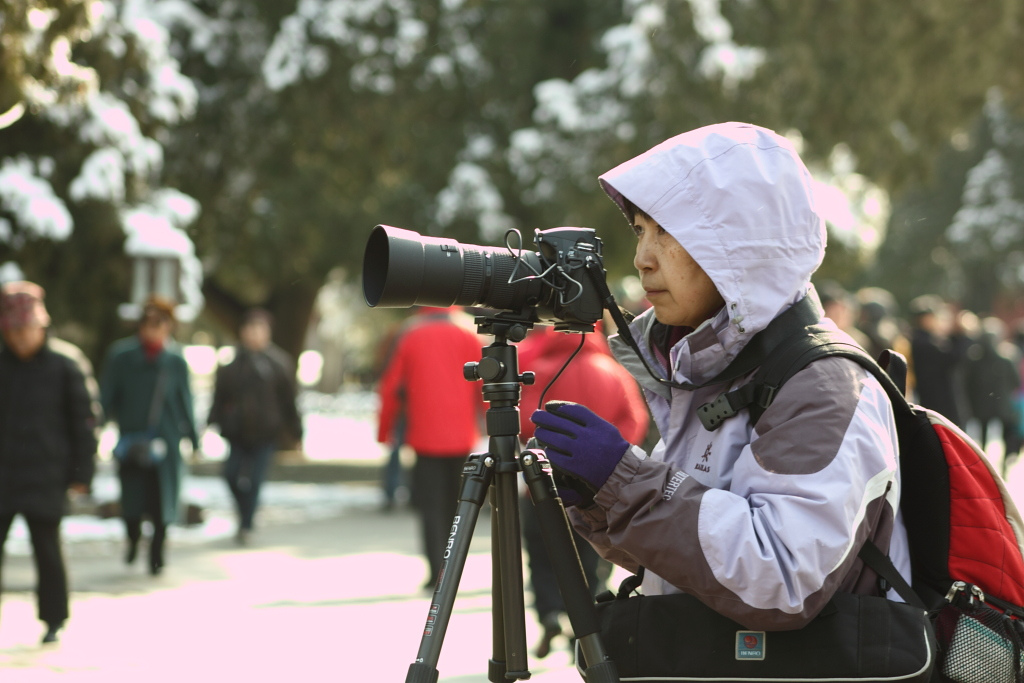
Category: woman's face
<point>681,293</point>
<point>25,341</point>
<point>255,335</point>
<point>155,329</point>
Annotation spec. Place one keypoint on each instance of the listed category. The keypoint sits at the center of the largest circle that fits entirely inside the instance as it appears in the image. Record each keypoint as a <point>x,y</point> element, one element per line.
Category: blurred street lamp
<point>156,275</point>
<point>163,263</point>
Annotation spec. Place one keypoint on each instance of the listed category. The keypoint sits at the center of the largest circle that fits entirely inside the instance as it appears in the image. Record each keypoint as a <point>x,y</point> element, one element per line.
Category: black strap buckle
<point>765,395</point>
<point>713,414</point>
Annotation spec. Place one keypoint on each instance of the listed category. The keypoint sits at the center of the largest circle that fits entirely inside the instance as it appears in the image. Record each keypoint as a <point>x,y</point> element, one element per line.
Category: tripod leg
<point>508,604</point>
<point>476,478</point>
<point>555,530</point>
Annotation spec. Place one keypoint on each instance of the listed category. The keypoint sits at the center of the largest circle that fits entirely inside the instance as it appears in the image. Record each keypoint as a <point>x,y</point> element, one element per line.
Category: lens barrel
<point>402,268</point>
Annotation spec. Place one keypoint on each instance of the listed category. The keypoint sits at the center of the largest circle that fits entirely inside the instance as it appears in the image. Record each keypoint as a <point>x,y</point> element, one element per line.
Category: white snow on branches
<point>28,195</point>
<point>991,212</point>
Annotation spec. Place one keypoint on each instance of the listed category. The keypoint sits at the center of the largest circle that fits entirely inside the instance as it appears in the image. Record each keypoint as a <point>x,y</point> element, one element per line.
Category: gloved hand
<point>564,485</point>
<point>582,447</point>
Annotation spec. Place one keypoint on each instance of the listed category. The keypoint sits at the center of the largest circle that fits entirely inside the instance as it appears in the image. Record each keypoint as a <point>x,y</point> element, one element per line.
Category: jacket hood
<point>738,198</point>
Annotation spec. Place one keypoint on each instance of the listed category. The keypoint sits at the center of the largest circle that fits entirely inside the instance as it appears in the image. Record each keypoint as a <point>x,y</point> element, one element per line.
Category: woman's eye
<point>638,231</point>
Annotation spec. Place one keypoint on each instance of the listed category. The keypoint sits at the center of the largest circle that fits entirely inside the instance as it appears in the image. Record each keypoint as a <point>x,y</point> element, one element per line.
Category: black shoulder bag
<point>145,450</point>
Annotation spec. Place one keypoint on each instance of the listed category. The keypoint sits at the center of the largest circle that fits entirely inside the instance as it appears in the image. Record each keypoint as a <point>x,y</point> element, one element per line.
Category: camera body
<point>559,283</point>
<point>571,252</point>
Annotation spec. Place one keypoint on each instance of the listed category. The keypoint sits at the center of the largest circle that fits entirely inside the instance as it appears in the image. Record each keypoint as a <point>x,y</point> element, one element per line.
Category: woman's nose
<point>644,258</point>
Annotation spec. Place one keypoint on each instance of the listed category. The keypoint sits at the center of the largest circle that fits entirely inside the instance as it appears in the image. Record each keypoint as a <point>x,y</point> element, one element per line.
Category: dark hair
<point>830,291</point>
<point>926,304</point>
<point>257,315</point>
<point>158,309</point>
<point>632,211</point>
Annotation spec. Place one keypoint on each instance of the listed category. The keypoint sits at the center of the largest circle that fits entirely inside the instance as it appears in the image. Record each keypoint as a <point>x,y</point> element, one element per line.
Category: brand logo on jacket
<point>673,485</point>
<point>749,645</point>
<point>703,465</point>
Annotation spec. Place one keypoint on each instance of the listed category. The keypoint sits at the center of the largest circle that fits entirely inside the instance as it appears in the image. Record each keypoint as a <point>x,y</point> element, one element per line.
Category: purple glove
<point>582,447</point>
<point>565,491</point>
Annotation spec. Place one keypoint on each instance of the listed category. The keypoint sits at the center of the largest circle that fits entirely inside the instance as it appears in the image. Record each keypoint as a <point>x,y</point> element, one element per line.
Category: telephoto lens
<point>402,268</point>
<point>563,282</point>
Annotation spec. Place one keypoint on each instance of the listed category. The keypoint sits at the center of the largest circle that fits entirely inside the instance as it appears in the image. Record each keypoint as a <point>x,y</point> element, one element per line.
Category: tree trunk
<point>292,308</point>
<point>291,305</point>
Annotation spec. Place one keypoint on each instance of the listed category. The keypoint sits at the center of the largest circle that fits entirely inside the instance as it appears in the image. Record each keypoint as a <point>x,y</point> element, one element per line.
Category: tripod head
<point>505,326</point>
<point>498,367</point>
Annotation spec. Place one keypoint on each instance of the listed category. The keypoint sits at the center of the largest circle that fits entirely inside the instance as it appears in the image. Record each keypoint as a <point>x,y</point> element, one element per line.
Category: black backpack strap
<point>802,347</point>
<point>805,312</point>
<point>883,566</point>
<point>895,365</point>
<point>766,343</point>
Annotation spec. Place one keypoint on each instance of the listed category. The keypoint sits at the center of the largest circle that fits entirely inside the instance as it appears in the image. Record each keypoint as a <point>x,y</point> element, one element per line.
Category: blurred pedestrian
<point>841,307</point>
<point>47,438</point>
<point>392,474</point>
<point>593,377</point>
<point>145,389</point>
<point>991,380</point>
<point>878,319</point>
<point>424,382</point>
<point>937,351</point>
<point>1018,396</point>
<point>254,406</point>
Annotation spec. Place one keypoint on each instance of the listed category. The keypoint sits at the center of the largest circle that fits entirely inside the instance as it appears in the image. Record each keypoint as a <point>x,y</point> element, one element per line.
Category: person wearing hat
<point>140,372</point>
<point>254,405</point>
<point>48,424</point>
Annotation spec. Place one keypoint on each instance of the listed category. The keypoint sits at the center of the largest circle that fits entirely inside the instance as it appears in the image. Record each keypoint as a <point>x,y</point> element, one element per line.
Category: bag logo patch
<point>749,645</point>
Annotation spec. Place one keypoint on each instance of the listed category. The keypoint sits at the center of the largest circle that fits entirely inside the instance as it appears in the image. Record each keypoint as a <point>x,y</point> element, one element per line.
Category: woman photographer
<point>761,524</point>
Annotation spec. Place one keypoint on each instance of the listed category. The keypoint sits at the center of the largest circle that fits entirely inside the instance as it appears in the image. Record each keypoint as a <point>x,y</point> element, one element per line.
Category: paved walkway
<point>335,599</point>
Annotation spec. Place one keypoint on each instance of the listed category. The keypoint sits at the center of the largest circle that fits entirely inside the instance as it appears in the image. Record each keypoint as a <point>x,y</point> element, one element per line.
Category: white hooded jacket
<point>764,524</point>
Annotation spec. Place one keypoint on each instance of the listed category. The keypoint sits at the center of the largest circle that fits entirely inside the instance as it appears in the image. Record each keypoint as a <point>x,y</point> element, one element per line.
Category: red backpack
<point>965,533</point>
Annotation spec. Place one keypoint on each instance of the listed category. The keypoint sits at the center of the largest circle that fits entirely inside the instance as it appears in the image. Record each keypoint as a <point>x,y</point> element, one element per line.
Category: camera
<point>561,282</point>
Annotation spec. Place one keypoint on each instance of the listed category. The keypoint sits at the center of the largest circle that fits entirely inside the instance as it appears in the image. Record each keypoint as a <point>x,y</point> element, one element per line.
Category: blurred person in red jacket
<point>595,378</point>
<point>423,383</point>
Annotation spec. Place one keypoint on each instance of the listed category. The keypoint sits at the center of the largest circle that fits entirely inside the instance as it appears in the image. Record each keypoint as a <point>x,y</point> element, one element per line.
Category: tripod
<point>496,471</point>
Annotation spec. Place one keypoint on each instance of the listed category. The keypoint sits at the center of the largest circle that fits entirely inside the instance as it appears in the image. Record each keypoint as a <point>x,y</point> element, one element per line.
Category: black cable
<point>540,403</point>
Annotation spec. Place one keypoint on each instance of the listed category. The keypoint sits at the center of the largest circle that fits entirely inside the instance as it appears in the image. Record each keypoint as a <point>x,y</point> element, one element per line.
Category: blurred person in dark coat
<point>937,349</point>
<point>842,308</point>
<point>424,383</point>
<point>878,320</point>
<point>47,438</point>
<point>134,368</point>
<point>593,377</point>
<point>991,380</point>
<point>254,405</point>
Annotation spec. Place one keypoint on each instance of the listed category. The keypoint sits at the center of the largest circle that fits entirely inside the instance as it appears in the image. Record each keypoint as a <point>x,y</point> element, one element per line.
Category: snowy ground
<point>338,429</point>
<point>281,502</point>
